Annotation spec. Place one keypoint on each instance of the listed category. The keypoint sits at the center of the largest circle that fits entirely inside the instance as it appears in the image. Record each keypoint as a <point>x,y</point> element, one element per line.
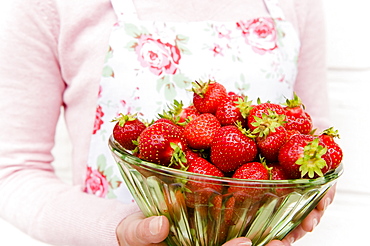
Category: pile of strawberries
<point>223,134</point>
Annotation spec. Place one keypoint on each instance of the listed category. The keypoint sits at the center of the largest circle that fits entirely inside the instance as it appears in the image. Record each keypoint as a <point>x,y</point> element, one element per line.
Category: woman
<point>52,55</point>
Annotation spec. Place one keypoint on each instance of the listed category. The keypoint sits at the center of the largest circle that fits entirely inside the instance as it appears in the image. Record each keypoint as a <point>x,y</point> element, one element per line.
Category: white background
<point>349,86</point>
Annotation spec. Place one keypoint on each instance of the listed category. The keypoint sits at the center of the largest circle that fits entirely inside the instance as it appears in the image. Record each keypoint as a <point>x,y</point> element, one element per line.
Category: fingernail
<point>245,244</point>
<point>327,202</point>
<point>314,223</point>
<point>291,240</point>
<point>155,225</point>
<point>242,241</point>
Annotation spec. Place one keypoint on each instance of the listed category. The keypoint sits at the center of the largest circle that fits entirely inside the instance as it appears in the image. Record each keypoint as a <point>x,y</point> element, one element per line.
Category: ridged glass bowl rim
<point>124,155</point>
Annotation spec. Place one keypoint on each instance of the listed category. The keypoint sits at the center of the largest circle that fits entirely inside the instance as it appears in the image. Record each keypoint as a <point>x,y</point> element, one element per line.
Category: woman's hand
<point>311,221</point>
<point>136,230</point>
<point>307,225</point>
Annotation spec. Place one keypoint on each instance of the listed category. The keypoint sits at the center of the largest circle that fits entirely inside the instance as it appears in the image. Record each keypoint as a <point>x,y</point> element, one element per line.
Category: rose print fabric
<point>149,64</point>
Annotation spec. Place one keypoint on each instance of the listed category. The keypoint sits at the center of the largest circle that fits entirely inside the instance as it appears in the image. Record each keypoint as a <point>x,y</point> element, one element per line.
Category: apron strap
<point>125,8</point>
<point>274,9</point>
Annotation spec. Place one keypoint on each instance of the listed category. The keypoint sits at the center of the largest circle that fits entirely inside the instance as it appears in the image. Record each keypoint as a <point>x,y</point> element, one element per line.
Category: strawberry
<point>127,130</point>
<point>223,205</point>
<point>164,120</point>
<point>191,155</point>
<point>291,133</point>
<point>208,95</point>
<point>188,113</point>
<point>270,134</point>
<point>169,121</point>
<point>234,108</point>
<point>221,210</point>
<point>231,147</point>
<point>252,171</point>
<point>199,191</point>
<point>304,156</point>
<point>202,166</point>
<point>270,110</point>
<point>200,131</point>
<point>270,145</point>
<point>180,114</point>
<point>162,143</point>
<point>296,116</point>
<point>335,151</point>
<point>278,173</point>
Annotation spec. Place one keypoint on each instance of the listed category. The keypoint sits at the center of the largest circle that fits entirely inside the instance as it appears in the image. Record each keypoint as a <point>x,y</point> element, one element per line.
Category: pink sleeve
<point>311,83</point>
<point>31,94</point>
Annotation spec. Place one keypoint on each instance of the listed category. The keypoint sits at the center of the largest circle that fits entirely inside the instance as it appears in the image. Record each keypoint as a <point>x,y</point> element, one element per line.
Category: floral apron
<point>149,64</point>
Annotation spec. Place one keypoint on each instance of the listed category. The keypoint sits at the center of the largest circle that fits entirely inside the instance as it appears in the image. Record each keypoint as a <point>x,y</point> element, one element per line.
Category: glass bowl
<point>260,210</point>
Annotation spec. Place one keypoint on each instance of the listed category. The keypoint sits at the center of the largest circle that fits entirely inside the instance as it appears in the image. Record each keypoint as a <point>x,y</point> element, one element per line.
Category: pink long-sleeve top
<point>51,56</point>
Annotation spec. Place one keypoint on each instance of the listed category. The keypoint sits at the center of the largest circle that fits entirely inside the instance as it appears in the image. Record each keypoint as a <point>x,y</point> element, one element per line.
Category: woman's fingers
<point>136,230</point>
<point>293,236</point>
<point>312,219</point>
<point>327,199</point>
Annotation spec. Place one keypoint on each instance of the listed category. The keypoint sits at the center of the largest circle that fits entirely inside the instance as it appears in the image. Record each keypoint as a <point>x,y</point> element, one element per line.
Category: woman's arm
<point>311,84</point>
<point>34,79</point>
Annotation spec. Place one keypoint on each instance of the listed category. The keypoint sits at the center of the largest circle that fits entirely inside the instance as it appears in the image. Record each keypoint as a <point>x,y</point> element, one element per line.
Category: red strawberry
<point>199,191</point>
<point>278,173</point>
<point>270,145</point>
<point>304,156</point>
<point>208,95</point>
<point>231,148</point>
<point>296,116</point>
<point>221,210</point>
<point>168,121</point>
<point>252,171</point>
<point>223,206</point>
<point>188,113</point>
<point>291,133</point>
<point>234,108</point>
<point>127,130</point>
<point>164,120</point>
<point>180,114</point>
<point>202,166</point>
<point>271,134</point>
<point>191,155</point>
<point>270,110</point>
<point>335,151</point>
<point>162,143</point>
<point>200,131</point>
